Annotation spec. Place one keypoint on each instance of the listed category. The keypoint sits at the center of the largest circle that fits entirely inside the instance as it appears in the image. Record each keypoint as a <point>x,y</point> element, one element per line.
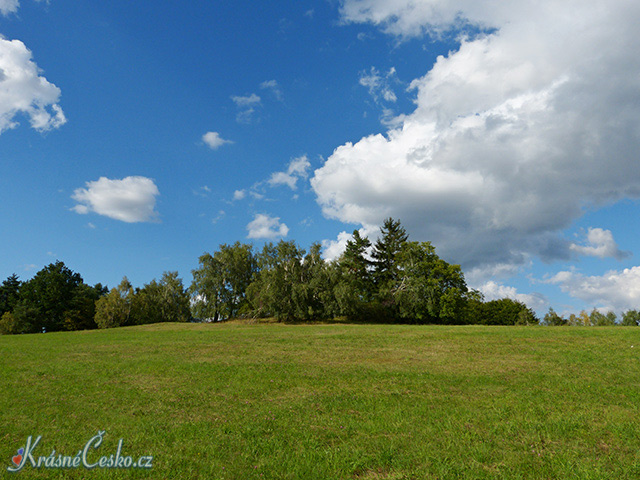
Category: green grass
<point>274,401</point>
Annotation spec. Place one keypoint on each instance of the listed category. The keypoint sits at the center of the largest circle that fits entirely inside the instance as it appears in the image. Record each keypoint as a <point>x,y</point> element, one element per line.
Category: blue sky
<point>134,136</point>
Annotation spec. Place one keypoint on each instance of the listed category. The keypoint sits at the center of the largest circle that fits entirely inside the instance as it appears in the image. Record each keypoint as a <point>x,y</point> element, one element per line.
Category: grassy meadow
<point>330,401</point>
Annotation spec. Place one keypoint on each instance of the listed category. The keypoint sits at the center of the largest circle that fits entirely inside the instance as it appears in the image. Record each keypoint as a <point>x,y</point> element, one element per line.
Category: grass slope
<point>273,401</point>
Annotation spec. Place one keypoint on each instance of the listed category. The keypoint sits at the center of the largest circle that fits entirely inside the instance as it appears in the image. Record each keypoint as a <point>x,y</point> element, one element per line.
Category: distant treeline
<point>58,299</point>
<point>392,281</point>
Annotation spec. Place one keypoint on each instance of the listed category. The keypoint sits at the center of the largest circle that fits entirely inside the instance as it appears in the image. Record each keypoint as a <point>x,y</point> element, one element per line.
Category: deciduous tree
<point>631,318</point>
<point>115,308</point>
<point>220,283</point>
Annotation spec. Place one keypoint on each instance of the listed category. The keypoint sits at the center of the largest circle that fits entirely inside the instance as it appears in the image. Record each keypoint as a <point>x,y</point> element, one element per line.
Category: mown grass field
<point>274,401</point>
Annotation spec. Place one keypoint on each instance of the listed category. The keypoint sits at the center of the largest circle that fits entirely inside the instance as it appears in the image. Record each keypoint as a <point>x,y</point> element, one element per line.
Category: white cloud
<point>265,226</point>
<point>283,178</point>
<point>239,194</point>
<point>214,140</point>
<point>298,168</point>
<point>202,192</point>
<point>11,6</point>
<point>379,86</point>
<point>332,249</point>
<point>601,244</point>
<point>248,101</point>
<point>130,200</point>
<point>410,18</point>
<point>220,216</point>
<point>273,86</point>
<point>476,277</point>
<point>513,134</point>
<point>617,290</point>
<point>8,6</point>
<point>246,107</point>
<point>24,91</point>
<point>362,36</point>
<point>495,291</point>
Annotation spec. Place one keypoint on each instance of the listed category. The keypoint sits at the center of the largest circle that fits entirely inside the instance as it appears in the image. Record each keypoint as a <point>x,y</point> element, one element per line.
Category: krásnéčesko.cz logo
<point>26,456</point>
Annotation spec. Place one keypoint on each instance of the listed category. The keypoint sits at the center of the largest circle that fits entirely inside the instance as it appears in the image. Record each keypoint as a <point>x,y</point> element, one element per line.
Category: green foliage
<point>386,271</point>
<point>291,285</point>
<point>506,312</point>
<point>427,289</point>
<point>631,318</point>
<point>56,298</point>
<point>599,319</point>
<point>9,293</point>
<point>526,316</point>
<point>395,280</point>
<point>551,318</point>
<point>163,301</point>
<point>354,288</point>
<point>472,312</point>
<point>280,267</point>
<point>114,309</point>
<point>220,283</point>
<point>312,294</point>
<point>9,325</point>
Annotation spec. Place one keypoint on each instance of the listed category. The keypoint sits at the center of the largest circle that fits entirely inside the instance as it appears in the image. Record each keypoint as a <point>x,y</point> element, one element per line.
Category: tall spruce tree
<point>354,289</point>
<point>386,272</point>
<point>357,266</point>
<point>393,236</point>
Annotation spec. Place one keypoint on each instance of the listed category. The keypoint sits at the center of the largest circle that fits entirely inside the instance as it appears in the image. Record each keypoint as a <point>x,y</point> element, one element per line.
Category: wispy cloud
<point>379,85</point>
<point>202,191</point>
<point>8,6</point>
<point>274,88</point>
<point>298,168</point>
<point>221,214</point>
<point>246,107</point>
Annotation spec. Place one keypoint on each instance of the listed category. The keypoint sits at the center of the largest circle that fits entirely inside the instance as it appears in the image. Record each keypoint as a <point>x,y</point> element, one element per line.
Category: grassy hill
<point>274,401</point>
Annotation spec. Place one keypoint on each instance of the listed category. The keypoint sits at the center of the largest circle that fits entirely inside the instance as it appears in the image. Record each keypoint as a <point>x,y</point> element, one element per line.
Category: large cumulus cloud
<point>24,91</point>
<point>513,134</point>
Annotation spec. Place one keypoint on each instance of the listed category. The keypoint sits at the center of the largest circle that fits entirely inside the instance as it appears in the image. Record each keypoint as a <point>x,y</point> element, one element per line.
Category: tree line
<point>630,318</point>
<point>391,280</point>
<point>57,299</point>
